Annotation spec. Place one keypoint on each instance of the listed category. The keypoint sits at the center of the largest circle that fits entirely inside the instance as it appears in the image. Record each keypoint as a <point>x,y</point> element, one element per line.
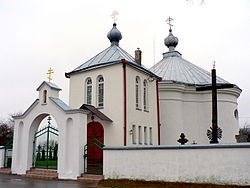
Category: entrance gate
<point>93,150</point>
<point>8,153</point>
<point>45,156</point>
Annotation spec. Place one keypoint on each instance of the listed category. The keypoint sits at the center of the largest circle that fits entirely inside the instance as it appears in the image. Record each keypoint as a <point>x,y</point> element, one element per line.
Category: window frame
<point>145,96</point>
<point>150,135</point>
<point>100,91</point>
<point>145,135</point>
<point>88,98</point>
<point>138,93</point>
<point>134,134</point>
<point>140,135</point>
<point>45,96</point>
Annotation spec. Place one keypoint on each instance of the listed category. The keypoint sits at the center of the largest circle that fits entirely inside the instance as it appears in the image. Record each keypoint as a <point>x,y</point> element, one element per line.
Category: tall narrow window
<point>100,91</point>
<point>145,95</point>
<point>134,134</point>
<point>150,136</point>
<point>140,134</point>
<point>145,136</point>
<point>89,91</point>
<point>137,93</point>
<point>45,96</point>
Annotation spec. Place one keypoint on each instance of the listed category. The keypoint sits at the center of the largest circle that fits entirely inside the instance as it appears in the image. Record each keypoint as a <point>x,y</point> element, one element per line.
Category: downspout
<point>125,99</point>
<point>158,113</point>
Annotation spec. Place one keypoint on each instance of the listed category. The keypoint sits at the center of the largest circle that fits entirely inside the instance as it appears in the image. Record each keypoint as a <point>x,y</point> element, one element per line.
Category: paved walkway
<point>14,181</point>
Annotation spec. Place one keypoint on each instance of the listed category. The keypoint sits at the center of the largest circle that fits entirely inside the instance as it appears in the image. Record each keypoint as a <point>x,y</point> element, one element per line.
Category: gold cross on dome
<point>114,14</point>
<point>169,19</point>
<point>50,71</point>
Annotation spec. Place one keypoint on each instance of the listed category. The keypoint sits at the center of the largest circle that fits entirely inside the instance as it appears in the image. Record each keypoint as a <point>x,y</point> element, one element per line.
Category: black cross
<point>214,88</point>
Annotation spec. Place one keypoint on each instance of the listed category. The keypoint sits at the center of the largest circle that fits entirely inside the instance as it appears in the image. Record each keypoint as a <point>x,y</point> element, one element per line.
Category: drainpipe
<point>123,61</point>
<point>158,113</point>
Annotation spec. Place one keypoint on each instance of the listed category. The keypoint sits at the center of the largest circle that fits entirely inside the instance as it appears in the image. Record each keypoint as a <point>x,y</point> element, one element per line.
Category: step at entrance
<point>5,171</point>
<point>90,180</point>
<point>41,174</point>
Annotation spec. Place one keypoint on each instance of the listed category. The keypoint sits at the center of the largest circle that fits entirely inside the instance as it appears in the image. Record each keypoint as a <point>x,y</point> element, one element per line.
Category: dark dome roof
<point>114,35</point>
<point>171,40</point>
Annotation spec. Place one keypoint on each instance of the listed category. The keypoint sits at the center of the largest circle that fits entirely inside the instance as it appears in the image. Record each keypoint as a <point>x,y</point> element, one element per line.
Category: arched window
<point>134,134</point>
<point>88,91</point>
<point>137,93</point>
<point>45,96</point>
<point>145,95</point>
<point>100,91</point>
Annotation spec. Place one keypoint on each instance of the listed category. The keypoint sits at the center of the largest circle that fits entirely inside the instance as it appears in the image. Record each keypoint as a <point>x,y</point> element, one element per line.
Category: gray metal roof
<point>109,56</point>
<point>51,85</point>
<point>95,111</point>
<point>60,103</point>
<point>174,69</point>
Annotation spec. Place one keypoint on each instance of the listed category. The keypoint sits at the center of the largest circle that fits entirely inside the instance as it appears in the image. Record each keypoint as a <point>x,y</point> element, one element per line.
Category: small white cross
<point>114,14</point>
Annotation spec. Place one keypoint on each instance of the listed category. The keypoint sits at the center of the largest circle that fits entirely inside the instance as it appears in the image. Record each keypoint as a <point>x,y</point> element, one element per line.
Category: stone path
<point>14,181</point>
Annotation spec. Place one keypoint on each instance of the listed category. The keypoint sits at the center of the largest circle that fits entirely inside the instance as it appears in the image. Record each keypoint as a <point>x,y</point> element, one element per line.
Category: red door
<point>95,139</point>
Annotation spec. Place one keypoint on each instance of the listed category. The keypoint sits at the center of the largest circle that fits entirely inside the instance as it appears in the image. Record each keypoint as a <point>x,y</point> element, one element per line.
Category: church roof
<point>174,69</point>
<point>51,85</point>
<point>95,111</point>
<point>111,55</point>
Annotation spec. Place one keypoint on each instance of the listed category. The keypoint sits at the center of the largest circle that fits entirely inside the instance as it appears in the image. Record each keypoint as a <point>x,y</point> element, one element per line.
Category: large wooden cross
<point>214,88</point>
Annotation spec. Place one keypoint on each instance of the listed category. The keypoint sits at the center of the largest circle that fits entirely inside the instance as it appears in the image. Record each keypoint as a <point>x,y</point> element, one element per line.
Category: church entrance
<point>45,147</point>
<point>93,153</point>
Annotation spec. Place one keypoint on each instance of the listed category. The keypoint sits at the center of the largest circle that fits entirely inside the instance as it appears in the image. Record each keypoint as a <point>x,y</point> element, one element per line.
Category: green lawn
<point>43,164</point>
<point>157,184</point>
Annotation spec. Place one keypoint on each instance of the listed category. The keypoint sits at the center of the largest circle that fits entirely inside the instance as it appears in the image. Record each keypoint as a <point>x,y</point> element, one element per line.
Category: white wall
<point>113,98</point>
<point>2,150</point>
<point>114,102</point>
<point>182,109</point>
<point>140,117</point>
<point>219,164</point>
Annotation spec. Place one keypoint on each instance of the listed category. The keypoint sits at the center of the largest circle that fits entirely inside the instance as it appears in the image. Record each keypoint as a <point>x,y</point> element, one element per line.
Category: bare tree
<point>7,128</point>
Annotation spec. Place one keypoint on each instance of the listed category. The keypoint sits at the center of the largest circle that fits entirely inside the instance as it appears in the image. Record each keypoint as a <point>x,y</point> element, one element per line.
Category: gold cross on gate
<point>50,71</point>
<point>169,19</point>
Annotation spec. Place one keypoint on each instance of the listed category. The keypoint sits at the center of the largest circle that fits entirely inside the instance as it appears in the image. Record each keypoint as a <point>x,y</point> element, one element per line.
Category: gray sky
<point>62,34</point>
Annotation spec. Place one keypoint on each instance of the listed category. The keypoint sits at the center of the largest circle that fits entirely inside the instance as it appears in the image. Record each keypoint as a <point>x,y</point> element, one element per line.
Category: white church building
<point>115,101</point>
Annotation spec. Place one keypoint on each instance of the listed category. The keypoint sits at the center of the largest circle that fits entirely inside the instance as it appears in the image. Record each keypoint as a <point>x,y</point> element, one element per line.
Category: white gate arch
<point>72,132</point>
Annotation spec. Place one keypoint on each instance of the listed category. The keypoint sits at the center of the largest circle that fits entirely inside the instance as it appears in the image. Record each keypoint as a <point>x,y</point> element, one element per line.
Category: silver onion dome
<point>114,35</point>
<point>171,41</point>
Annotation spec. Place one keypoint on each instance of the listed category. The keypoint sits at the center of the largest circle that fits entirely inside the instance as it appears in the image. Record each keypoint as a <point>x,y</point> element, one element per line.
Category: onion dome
<point>171,41</point>
<point>114,35</point>
<point>175,69</point>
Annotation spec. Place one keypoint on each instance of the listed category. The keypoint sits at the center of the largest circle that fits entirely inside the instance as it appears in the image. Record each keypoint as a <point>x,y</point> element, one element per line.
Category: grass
<point>51,163</point>
<point>157,184</point>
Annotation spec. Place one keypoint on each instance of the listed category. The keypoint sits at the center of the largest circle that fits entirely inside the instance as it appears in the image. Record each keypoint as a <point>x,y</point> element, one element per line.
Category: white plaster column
<point>71,146</point>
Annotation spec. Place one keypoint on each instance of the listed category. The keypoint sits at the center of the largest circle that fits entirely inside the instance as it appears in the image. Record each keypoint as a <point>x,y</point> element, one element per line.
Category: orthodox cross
<point>49,119</point>
<point>169,19</point>
<point>182,140</point>
<point>50,71</point>
<point>215,132</point>
<point>114,14</point>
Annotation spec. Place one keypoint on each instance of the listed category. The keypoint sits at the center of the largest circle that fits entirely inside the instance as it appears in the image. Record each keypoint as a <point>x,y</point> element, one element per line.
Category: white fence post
<point>2,149</point>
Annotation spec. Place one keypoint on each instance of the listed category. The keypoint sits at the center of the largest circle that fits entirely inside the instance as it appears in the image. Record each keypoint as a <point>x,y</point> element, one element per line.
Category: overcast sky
<point>62,34</point>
